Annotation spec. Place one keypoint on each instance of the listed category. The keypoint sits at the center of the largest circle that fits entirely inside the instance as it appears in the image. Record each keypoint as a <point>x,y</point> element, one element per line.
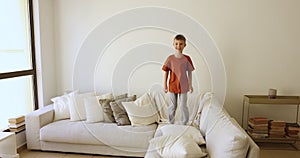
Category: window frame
<point>31,71</point>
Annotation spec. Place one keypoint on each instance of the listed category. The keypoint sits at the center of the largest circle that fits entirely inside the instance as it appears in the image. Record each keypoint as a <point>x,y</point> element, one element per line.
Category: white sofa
<point>223,136</point>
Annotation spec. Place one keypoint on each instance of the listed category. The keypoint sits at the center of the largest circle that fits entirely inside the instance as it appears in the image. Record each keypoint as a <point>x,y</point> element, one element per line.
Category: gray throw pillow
<point>105,103</point>
<point>119,112</point>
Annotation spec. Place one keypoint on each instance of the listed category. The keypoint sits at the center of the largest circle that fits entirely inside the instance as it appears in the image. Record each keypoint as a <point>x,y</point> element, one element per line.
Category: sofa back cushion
<point>210,113</point>
<point>178,147</point>
<point>162,101</point>
<point>226,139</point>
<point>253,150</point>
<point>182,131</point>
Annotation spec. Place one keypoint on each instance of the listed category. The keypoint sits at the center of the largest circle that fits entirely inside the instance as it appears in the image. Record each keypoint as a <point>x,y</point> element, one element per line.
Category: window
<point>18,90</point>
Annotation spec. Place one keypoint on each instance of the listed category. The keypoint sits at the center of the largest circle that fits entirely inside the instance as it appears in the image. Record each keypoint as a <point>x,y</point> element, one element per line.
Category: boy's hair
<point>180,37</point>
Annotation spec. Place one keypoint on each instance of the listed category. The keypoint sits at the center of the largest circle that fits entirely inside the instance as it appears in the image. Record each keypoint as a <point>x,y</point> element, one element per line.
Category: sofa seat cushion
<point>171,140</point>
<point>110,134</point>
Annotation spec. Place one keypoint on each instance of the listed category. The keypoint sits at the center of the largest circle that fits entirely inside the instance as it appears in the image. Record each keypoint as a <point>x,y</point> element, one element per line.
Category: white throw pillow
<point>93,109</point>
<point>174,147</point>
<point>141,111</point>
<point>193,100</point>
<point>210,113</point>
<point>226,140</point>
<point>145,99</point>
<point>183,131</point>
<point>61,107</point>
<point>77,109</point>
<point>162,101</point>
<point>205,99</point>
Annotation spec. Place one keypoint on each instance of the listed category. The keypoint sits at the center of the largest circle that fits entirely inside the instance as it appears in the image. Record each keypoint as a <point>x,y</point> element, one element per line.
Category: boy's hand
<point>166,89</point>
<point>191,89</point>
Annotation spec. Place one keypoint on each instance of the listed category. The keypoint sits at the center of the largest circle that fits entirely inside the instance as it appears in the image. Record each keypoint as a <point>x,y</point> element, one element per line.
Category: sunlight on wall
<point>16,98</point>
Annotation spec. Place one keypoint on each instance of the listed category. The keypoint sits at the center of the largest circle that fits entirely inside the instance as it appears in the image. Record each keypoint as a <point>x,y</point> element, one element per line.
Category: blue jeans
<point>183,107</point>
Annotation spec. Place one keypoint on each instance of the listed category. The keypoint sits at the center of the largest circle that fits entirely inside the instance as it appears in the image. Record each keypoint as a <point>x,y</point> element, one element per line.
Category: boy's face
<point>179,45</point>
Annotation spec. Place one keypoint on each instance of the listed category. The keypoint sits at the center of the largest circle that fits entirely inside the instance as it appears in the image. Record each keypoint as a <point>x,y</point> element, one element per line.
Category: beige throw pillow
<point>119,112</point>
<point>105,103</point>
<point>142,111</point>
<point>108,113</point>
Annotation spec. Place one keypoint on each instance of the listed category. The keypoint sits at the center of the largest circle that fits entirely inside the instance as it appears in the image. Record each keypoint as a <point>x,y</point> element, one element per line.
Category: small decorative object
<point>272,93</point>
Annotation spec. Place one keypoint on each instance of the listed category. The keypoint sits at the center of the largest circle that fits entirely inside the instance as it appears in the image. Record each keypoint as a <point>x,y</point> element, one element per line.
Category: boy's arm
<point>190,81</point>
<point>165,81</point>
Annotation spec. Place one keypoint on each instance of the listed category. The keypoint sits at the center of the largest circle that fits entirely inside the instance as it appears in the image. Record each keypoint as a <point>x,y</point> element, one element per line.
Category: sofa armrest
<point>34,122</point>
<point>253,151</point>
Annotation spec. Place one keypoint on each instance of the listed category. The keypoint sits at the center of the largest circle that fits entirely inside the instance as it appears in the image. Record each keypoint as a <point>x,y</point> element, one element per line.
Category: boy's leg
<point>183,107</point>
<point>172,107</point>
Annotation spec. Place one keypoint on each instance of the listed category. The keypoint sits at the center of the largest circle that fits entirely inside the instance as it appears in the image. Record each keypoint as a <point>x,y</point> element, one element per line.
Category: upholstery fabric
<point>79,132</point>
<point>183,131</point>
<point>226,140</point>
<point>177,147</point>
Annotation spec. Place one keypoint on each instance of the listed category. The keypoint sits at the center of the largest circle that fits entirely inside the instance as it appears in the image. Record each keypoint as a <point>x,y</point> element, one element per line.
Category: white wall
<point>45,50</point>
<point>258,41</point>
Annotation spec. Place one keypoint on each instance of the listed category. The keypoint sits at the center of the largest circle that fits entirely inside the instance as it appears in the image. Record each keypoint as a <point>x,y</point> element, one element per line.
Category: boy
<point>180,67</point>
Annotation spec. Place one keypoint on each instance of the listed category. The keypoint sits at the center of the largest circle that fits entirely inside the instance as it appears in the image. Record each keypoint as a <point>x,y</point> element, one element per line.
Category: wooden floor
<point>41,154</point>
<point>267,151</point>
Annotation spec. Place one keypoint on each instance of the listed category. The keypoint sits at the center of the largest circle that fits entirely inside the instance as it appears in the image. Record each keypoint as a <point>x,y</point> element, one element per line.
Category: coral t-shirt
<point>178,68</point>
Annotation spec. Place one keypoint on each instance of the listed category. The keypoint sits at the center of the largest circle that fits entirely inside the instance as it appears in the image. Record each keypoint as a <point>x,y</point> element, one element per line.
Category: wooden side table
<point>8,147</point>
<point>264,99</point>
